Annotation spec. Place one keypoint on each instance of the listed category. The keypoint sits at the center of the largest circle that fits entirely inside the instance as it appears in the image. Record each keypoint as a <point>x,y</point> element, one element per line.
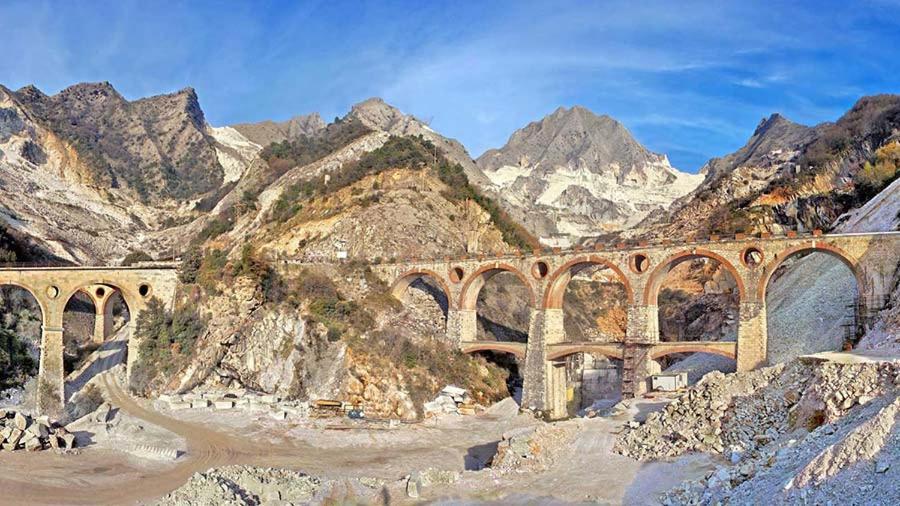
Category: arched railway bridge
<point>872,257</point>
<point>53,287</point>
<point>751,260</point>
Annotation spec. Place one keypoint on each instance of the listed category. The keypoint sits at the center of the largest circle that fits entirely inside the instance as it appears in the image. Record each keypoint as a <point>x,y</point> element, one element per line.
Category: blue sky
<point>689,79</point>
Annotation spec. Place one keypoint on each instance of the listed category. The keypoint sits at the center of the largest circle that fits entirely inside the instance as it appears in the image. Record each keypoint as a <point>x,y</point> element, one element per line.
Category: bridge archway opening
<point>427,298</point>
<point>812,303</point>
<point>698,298</point>
<point>93,315</point>
<point>20,341</point>
<point>79,322</point>
<point>510,363</point>
<point>502,299</point>
<point>594,297</point>
<point>593,381</point>
<point>696,364</point>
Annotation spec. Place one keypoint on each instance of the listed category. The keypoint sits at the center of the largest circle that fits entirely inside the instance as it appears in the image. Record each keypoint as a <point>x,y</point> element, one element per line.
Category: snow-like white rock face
<point>234,151</point>
<point>584,171</point>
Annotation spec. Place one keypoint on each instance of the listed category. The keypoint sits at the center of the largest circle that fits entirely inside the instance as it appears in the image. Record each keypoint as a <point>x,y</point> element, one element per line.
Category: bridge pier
<point>462,325</point>
<point>553,372</point>
<point>752,336</point>
<point>534,390</point>
<point>103,317</point>
<point>641,333</point>
<point>51,373</point>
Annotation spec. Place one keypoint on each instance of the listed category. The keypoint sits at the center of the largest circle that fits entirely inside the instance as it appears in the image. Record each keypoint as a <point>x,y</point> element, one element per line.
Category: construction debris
<point>451,400</point>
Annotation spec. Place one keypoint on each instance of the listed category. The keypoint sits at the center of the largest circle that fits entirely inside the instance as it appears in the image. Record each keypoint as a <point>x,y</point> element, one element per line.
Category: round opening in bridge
<point>639,263</point>
<point>456,274</point>
<point>100,292</point>
<point>52,292</point>
<point>752,256</point>
<point>144,290</point>
<point>540,269</point>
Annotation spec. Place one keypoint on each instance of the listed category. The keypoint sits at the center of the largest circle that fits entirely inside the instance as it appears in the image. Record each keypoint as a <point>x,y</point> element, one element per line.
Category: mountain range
<point>105,176</point>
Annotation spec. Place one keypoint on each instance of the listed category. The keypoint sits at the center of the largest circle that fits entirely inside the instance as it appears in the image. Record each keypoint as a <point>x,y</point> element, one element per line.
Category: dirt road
<point>96,476</point>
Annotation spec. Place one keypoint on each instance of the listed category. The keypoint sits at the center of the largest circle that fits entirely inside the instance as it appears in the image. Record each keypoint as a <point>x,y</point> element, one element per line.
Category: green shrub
<point>306,149</point>
<point>216,227</point>
<point>190,266</point>
<point>16,364</point>
<point>167,342</point>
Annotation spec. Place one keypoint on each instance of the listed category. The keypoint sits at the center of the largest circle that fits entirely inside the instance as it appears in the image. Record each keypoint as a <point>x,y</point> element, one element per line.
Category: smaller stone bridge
<point>642,269</point>
<point>53,287</point>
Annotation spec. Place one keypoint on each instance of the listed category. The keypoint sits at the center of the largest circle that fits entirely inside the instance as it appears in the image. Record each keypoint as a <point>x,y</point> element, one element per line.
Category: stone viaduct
<point>53,287</point>
<point>872,257</point>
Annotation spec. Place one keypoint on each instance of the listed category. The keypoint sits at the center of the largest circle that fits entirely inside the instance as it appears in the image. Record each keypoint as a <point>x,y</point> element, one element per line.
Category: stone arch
<point>35,294</point>
<point>834,251</point>
<point>609,351</point>
<point>27,331</point>
<point>559,280</point>
<point>515,349</point>
<point>402,284</point>
<point>661,351</point>
<point>468,297</point>
<point>658,276</point>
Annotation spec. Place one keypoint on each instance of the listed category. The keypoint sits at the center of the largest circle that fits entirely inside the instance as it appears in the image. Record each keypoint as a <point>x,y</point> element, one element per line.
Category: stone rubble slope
<point>790,433</point>
<point>742,413</point>
<point>532,449</point>
<point>863,443</point>
<point>855,460</point>
<point>252,486</point>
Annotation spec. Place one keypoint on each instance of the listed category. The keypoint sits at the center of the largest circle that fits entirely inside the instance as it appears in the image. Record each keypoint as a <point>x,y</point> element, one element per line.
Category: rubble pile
<point>451,400</point>
<point>247,485</point>
<point>852,461</point>
<point>532,449</point>
<point>19,431</point>
<point>738,414</point>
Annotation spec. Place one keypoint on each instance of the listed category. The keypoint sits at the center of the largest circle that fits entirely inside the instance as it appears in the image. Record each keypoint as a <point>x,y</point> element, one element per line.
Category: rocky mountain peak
<point>377,114</point>
<point>538,170</point>
<point>577,138</point>
<point>182,102</point>
<point>775,139</point>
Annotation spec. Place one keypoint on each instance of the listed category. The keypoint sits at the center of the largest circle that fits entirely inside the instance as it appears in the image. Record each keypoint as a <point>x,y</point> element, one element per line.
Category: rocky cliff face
<point>157,146</point>
<point>789,176</point>
<point>581,174</point>
<point>101,173</point>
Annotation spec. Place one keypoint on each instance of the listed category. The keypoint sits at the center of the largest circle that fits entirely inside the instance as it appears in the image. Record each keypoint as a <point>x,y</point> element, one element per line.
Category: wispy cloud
<point>693,77</point>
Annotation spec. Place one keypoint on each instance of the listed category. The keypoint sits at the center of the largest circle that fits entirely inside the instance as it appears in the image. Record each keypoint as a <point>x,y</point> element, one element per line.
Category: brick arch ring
<point>468,300</point>
<point>651,291</point>
<point>834,251</point>
<point>556,289</point>
<point>34,291</point>
<point>661,351</point>
<point>400,286</point>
